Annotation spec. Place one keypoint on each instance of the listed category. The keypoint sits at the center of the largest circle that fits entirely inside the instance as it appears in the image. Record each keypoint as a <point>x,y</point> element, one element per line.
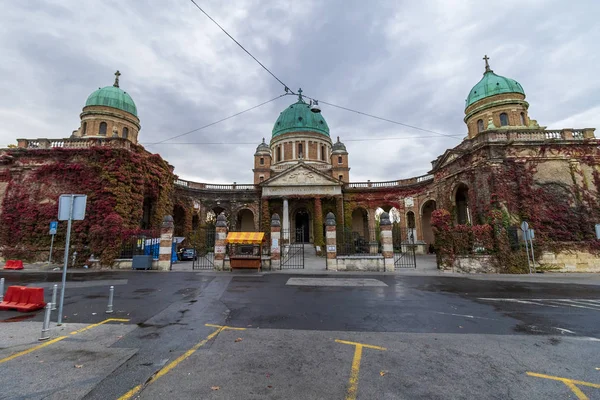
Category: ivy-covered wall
<point>115,180</point>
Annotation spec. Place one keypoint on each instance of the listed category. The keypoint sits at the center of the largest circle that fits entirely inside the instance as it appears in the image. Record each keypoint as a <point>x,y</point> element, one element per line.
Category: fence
<point>351,243</point>
<point>140,246</point>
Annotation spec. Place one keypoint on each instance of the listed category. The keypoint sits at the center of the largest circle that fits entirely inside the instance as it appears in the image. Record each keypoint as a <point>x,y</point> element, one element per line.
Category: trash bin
<point>141,262</point>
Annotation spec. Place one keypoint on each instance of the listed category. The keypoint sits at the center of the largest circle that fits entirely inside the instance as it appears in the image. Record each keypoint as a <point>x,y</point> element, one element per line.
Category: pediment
<point>447,158</point>
<point>302,175</point>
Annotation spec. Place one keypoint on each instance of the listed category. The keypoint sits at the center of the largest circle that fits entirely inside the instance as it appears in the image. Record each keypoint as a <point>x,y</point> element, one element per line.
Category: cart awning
<point>245,237</point>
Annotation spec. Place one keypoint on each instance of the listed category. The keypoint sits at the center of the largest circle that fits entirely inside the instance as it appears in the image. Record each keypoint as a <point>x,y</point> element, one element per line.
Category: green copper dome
<point>298,117</point>
<point>492,84</point>
<point>112,96</point>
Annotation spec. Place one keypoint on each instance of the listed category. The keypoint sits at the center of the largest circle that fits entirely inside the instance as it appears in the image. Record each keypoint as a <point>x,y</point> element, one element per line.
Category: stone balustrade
<point>73,143</point>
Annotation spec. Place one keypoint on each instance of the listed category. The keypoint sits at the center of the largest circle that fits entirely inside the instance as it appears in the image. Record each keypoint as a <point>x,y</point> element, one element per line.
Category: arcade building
<point>506,162</point>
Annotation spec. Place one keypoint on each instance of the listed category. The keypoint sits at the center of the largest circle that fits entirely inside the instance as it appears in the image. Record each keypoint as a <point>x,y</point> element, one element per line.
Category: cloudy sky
<point>410,61</point>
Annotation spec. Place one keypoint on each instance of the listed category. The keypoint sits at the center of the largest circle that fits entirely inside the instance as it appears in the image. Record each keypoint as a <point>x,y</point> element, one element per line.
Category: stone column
<point>220,236</point>
<point>386,242</point>
<point>286,221</point>
<point>318,224</point>
<point>275,237</point>
<point>166,243</point>
<point>373,248</point>
<point>330,244</point>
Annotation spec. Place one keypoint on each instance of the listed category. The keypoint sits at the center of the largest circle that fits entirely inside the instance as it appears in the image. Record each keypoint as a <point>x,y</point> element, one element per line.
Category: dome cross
<point>117,74</point>
<point>300,94</point>
<point>487,65</point>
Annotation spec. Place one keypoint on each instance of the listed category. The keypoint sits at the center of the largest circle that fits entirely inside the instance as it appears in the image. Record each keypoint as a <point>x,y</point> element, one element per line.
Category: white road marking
<point>462,315</point>
<point>340,282</point>
<point>563,331</point>
<point>588,304</point>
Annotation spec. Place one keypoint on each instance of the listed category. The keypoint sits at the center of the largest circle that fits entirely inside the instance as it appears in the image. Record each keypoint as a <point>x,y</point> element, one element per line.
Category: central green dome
<point>112,96</point>
<point>298,117</point>
<point>492,84</point>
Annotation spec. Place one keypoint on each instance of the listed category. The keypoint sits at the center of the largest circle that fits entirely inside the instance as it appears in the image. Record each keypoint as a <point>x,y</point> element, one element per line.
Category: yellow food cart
<point>245,249</point>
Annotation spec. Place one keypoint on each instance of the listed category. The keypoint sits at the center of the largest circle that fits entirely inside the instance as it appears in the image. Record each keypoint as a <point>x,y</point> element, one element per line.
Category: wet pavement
<point>288,336</point>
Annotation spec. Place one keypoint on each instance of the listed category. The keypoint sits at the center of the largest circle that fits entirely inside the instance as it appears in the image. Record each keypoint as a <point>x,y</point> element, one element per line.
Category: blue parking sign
<point>53,227</point>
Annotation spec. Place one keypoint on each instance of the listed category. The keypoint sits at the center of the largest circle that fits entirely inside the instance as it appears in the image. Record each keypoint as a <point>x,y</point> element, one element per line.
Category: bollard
<point>54,290</point>
<point>109,309</point>
<point>46,326</point>
<point>1,289</point>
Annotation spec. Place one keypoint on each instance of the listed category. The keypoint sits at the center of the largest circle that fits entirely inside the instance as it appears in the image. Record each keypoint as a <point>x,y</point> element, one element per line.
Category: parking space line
<point>570,383</point>
<point>353,383</point>
<point>58,339</point>
<point>165,370</point>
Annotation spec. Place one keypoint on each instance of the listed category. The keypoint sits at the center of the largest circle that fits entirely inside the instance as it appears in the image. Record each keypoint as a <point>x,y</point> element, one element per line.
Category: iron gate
<point>292,254</point>
<point>203,241</point>
<point>403,243</point>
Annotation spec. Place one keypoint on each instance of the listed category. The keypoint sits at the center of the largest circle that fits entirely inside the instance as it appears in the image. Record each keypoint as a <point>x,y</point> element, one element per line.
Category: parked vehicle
<point>186,254</point>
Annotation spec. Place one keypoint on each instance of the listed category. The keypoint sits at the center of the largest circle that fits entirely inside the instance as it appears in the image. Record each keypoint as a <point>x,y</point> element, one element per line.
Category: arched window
<point>322,153</point>
<point>278,153</point>
<point>480,126</point>
<point>125,133</point>
<point>340,160</point>
<point>102,130</point>
<point>300,150</point>
<point>262,161</point>
<point>341,177</point>
<point>84,129</point>
<point>503,119</point>
<point>523,119</point>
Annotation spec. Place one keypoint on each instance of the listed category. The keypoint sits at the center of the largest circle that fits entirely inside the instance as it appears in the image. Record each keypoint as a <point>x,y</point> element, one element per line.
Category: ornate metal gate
<point>203,241</point>
<point>403,242</point>
<point>292,254</point>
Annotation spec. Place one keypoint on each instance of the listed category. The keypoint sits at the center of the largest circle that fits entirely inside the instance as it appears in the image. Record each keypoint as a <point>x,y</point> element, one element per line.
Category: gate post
<point>166,244</point>
<point>275,238</point>
<point>330,241</point>
<point>387,242</point>
<point>220,236</point>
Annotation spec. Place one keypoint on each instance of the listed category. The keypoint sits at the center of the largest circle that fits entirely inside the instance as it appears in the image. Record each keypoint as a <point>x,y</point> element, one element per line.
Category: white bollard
<point>46,326</point>
<point>54,290</point>
<point>1,289</point>
<point>111,294</point>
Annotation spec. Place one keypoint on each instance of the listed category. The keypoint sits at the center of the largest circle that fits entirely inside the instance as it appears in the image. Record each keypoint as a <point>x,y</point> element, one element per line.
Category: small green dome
<point>492,84</point>
<point>112,96</point>
<point>298,117</point>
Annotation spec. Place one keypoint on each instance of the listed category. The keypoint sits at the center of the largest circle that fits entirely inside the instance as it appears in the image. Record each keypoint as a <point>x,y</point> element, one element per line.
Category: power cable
<point>286,87</point>
<point>216,122</point>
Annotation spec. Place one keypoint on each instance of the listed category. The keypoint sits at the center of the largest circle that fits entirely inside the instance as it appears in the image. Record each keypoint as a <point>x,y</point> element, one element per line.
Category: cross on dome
<point>300,94</point>
<point>487,65</point>
<point>117,74</point>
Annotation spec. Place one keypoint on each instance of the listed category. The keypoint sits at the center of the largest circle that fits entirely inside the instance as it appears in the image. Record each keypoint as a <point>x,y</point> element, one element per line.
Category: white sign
<point>597,231</point>
<point>64,206</point>
<point>331,249</point>
<point>274,243</point>
<point>524,226</point>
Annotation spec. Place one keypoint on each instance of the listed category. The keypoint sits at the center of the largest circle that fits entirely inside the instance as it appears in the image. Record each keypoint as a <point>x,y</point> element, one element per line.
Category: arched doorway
<point>179,220</point>
<point>360,223</point>
<point>245,221</point>
<point>411,227</point>
<point>302,222</point>
<point>428,207</point>
<point>461,199</point>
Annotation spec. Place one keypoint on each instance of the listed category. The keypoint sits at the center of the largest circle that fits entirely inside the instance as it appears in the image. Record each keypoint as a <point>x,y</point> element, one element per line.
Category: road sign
<point>53,227</point>
<point>64,207</point>
<point>524,226</point>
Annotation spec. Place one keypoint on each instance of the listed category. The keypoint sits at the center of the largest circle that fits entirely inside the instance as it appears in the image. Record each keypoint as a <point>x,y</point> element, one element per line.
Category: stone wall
<point>473,265</point>
<point>570,261</point>
<point>358,263</point>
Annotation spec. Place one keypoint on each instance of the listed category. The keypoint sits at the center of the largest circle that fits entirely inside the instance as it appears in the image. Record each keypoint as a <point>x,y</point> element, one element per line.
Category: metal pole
<point>111,294</point>
<point>527,250</point>
<point>54,290</point>
<point>66,261</point>
<point>1,289</point>
<point>46,326</point>
<point>532,254</point>
<point>51,246</point>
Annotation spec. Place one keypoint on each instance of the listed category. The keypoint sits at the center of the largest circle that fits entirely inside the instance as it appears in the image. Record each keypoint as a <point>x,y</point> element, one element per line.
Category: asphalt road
<point>253,336</point>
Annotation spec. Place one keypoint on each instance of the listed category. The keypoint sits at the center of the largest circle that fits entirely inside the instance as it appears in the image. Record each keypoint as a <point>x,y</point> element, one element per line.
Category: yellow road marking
<point>570,383</point>
<point>353,383</point>
<point>32,349</point>
<point>165,370</point>
<point>58,339</point>
<point>100,323</point>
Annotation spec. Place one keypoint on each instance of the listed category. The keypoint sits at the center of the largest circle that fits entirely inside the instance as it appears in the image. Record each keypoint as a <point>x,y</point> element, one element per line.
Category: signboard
<point>53,227</point>
<point>64,206</point>
<point>597,231</point>
<point>524,226</point>
<point>274,243</point>
<point>331,249</point>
